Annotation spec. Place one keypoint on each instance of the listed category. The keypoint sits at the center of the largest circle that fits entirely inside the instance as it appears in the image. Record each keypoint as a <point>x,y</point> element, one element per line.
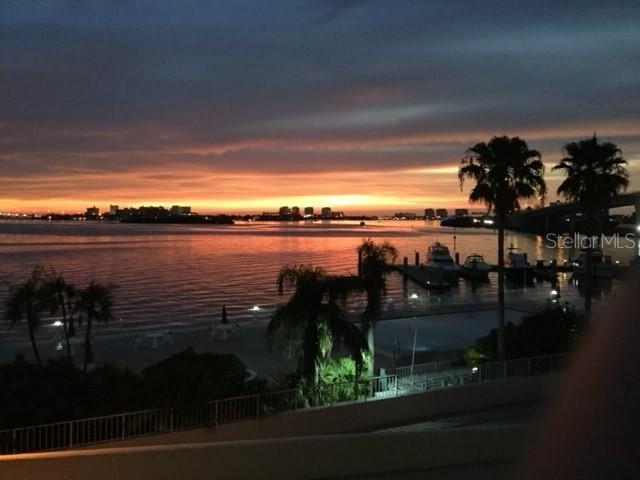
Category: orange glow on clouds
<point>223,188</point>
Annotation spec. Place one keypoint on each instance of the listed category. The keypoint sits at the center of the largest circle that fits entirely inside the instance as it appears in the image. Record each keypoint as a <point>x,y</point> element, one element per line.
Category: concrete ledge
<point>432,454</point>
<point>360,417</point>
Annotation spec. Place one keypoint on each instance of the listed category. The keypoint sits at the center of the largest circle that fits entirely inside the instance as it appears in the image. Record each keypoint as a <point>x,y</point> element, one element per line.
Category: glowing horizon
<point>352,105</point>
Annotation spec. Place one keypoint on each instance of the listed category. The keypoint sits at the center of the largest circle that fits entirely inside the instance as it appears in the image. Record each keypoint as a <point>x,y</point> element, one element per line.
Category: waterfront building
<point>442,213</point>
<point>284,211</point>
<point>326,212</point>
<point>269,216</point>
<point>177,210</point>
<point>405,216</point>
<point>462,212</point>
<point>113,210</point>
<point>429,213</point>
<point>295,211</point>
<point>153,212</point>
<point>308,212</point>
<point>92,212</point>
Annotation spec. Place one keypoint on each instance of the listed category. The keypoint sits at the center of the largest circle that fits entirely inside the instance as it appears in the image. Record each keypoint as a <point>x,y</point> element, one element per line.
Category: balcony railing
<point>406,381</point>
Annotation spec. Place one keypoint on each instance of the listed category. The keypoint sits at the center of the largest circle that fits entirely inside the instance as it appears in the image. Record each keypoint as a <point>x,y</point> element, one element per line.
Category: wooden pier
<point>424,277</point>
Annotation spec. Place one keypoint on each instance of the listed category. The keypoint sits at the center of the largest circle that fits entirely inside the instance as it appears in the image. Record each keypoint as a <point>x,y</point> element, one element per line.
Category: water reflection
<point>184,274</point>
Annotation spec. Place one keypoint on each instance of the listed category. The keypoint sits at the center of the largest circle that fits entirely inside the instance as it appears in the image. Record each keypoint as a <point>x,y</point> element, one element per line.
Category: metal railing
<point>406,381</point>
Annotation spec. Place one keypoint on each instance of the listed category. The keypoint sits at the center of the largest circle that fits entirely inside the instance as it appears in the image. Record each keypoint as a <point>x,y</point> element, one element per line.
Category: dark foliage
<point>554,330</point>
<point>189,378</point>
<point>35,394</point>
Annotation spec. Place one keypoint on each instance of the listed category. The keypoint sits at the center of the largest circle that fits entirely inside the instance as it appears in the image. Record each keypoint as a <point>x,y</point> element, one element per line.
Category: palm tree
<point>595,172</point>
<point>27,302</point>
<point>313,316</point>
<point>373,263</point>
<point>505,171</point>
<point>96,301</point>
<point>61,296</point>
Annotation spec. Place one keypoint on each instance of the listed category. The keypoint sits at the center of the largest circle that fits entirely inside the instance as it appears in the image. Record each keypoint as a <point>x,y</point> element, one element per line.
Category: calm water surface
<point>184,274</point>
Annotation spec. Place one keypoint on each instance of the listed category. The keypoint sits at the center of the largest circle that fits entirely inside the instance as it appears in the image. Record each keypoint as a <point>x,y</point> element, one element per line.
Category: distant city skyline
<point>246,106</point>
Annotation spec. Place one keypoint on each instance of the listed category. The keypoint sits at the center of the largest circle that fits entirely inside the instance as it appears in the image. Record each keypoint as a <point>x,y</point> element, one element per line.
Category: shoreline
<point>125,348</point>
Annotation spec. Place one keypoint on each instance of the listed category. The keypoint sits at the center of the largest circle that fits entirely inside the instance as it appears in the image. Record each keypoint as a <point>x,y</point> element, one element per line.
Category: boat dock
<point>424,277</point>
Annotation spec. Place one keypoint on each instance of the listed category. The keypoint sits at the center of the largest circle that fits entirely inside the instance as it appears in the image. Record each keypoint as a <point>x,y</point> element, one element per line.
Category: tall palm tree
<point>314,316</point>
<point>96,301</point>
<point>27,302</point>
<point>61,296</point>
<point>595,172</point>
<point>71,296</point>
<point>373,263</point>
<point>505,171</point>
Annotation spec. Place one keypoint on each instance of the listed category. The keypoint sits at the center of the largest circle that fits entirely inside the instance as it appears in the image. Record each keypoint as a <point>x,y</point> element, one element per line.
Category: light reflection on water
<point>184,274</point>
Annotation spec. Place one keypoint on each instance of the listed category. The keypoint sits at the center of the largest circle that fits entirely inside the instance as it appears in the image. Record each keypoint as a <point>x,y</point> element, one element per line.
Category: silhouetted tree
<point>61,297</point>
<point>374,260</point>
<point>27,302</point>
<point>313,316</point>
<point>505,171</point>
<point>595,172</point>
<point>550,331</point>
<point>96,301</point>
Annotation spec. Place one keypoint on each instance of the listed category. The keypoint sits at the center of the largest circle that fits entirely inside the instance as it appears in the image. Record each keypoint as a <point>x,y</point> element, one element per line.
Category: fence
<point>406,381</point>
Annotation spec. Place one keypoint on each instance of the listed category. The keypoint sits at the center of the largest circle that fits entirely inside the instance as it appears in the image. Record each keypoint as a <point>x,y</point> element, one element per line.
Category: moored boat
<point>517,268</point>
<point>475,267</point>
<point>439,260</point>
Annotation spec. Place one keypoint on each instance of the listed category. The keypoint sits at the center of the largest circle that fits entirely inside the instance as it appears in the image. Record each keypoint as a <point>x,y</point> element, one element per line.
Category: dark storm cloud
<point>261,85</point>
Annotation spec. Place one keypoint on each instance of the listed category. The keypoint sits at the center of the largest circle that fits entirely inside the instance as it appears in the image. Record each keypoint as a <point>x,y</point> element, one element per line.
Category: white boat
<point>517,268</point>
<point>601,265</point>
<point>475,267</point>
<point>439,260</point>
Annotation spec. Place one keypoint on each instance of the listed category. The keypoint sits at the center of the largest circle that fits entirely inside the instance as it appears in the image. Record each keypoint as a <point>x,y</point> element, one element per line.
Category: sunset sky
<point>243,106</point>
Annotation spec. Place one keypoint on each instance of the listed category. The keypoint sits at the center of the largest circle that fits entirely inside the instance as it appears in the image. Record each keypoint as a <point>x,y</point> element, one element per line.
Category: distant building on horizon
<point>429,213</point>
<point>442,213</point>
<point>405,215</point>
<point>113,210</point>
<point>295,211</point>
<point>284,211</point>
<point>308,212</point>
<point>92,212</point>
<point>177,210</point>
<point>152,212</point>
<point>326,212</point>
<point>462,212</point>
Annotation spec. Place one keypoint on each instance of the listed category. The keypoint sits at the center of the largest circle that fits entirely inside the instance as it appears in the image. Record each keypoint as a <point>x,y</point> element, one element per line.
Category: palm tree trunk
<point>371,343</point>
<point>588,281</point>
<point>88,352</point>
<point>65,327</point>
<point>310,357</point>
<point>72,325</point>
<point>588,266</point>
<point>501,312</point>
<point>32,337</point>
